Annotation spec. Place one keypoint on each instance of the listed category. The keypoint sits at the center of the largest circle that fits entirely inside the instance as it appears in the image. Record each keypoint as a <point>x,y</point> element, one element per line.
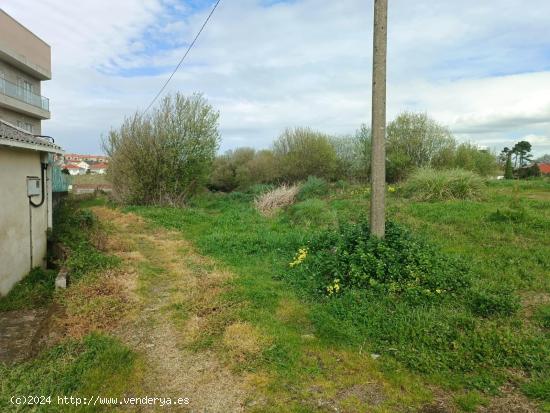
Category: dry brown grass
<point>243,340</point>
<point>270,202</point>
<point>99,305</point>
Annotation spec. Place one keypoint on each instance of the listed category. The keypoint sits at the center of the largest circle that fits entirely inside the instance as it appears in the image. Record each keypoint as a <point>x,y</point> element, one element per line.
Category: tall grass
<point>428,184</point>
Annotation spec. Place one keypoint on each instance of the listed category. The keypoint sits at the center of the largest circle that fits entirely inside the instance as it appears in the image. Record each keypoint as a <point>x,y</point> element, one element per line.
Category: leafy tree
<point>415,140</point>
<point>544,159</point>
<point>302,152</point>
<point>165,156</point>
<point>508,169</point>
<point>522,155</point>
<point>353,154</point>
<point>470,157</point>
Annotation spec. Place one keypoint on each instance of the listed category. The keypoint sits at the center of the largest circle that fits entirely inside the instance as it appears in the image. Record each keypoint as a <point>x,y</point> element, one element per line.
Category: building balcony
<point>20,99</point>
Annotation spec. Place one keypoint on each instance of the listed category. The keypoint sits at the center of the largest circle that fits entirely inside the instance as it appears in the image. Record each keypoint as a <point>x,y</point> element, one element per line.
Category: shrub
<point>230,171</point>
<point>428,184</point>
<point>419,141</point>
<point>302,152</point>
<point>353,155</point>
<point>313,187</point>
<point>270,202</point>
<point>165,156</point>
<point>312,213</point>
<point>470,157</point>
<point>400,265</point>
<point>489,302</point>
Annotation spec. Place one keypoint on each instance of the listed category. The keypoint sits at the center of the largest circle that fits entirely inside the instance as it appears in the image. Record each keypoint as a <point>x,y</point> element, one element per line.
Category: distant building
<point>74,157</point>
<point>99,168</point>
<point>83,165</point>
<point>74,169</point>
<point>544,168</point>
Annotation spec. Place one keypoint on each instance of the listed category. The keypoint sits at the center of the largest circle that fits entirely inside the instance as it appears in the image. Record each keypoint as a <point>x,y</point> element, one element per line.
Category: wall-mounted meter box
<point>33,186</point>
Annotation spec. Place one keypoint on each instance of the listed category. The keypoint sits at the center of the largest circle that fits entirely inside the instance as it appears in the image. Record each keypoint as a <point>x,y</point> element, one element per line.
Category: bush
<point>313,187</point>
<point>314,213</point>
<point>418,141</point>
<point>428,184</point>
<point>489,302</point>
<point>165,156</point>
<point>469,157</point>
<point>400,265</point>
<point>230,171</point>
<point>270,202</point>
<point>353,155</point>
<point>241,168</point>
<point>302,152</point>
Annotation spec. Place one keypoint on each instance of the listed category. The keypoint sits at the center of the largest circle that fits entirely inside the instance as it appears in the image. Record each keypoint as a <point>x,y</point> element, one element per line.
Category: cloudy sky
<point>480,67</point>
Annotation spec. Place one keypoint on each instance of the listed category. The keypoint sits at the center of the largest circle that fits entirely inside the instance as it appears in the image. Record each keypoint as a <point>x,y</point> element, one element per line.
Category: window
<point>2,82</point>
<point>25,90</point>
<point>25,126</point>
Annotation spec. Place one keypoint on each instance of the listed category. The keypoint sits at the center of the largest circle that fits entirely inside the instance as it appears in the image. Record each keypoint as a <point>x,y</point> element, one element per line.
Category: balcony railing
<point>17,92</point>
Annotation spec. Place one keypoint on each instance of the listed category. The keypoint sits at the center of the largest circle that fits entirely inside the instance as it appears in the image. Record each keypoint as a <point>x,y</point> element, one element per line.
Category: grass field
<point>474,356</point>
<point>298,348</point>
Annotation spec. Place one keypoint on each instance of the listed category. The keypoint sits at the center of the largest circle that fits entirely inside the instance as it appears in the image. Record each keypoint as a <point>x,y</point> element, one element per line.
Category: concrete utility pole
<point>378,155</point>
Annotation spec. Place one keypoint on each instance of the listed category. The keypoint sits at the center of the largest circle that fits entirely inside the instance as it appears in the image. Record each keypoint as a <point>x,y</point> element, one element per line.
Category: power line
<point>184,56</point>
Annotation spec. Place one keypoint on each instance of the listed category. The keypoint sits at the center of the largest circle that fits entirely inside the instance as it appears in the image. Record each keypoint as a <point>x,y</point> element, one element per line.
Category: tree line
<point>169,154</point>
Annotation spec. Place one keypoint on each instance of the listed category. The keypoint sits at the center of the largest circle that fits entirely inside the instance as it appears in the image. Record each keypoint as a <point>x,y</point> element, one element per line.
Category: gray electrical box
<point>33,186</point>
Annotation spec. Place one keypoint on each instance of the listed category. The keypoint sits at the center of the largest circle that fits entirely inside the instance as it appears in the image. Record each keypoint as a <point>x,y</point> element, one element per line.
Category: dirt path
<point>165,273</point>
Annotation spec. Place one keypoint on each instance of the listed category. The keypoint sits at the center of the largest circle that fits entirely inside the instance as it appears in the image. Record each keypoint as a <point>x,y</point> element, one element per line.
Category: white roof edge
<point>29,146</point>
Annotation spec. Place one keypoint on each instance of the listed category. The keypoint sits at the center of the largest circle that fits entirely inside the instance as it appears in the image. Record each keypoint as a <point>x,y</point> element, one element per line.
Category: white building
<point>26,209</point>
<point>75,169</point>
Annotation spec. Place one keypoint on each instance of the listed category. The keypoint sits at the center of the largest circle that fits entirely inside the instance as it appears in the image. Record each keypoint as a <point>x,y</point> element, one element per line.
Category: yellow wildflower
<point>299,257</point>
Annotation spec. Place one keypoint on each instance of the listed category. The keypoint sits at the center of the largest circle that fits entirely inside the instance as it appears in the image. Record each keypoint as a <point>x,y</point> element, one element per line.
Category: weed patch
<point>441,185</point>
<point>35,290</point>
<point>313,187</point>
<point>400,265</point>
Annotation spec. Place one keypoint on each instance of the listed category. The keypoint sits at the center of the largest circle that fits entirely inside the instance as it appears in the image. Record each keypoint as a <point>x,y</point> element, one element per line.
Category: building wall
<point>16,215</point>
<point>13,74</point>
<point>24,46</point>
<point>13,117</point>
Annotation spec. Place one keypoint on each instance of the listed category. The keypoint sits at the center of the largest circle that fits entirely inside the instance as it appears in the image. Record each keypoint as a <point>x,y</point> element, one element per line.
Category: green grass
<point>34,291</point>
<point>97,365</point>
<point>449,344</point>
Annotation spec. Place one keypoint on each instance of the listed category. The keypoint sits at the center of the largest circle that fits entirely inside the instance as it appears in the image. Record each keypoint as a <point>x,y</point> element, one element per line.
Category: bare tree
<point>378,155</point>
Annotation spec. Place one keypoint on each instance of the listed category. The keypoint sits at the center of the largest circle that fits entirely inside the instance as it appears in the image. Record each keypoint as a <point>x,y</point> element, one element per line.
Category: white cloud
<point>480,68</point>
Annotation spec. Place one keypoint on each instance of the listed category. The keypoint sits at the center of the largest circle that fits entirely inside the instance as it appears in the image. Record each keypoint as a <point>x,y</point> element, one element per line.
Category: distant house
<point>544,168</point>
<point>75,169</point>
<point>26,213</point>
<point>74,157</point>
<point>99,168</point>
<point>83,165</point>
